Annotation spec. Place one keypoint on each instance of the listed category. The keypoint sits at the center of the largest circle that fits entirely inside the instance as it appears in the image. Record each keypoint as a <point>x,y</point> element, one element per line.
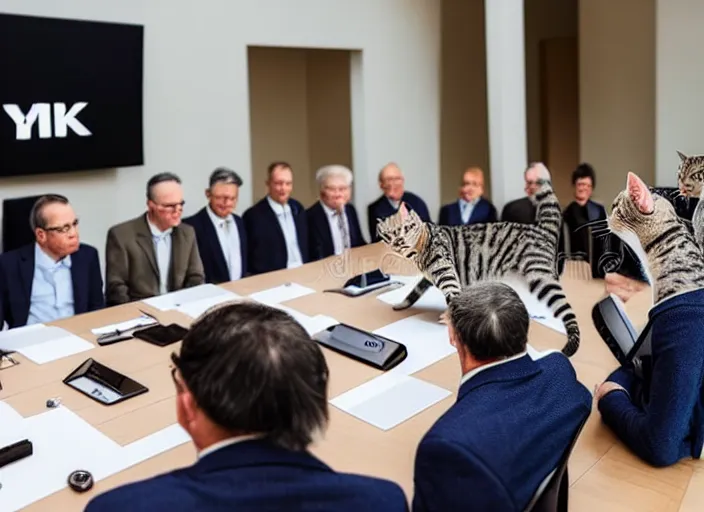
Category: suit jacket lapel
<point>478,212</point>
<point>145,241</point>
<point>178,260</point>
<point>323,227</point>
<point>456,214</point>
<point>214,242</point>
<point>274,221</point>
<point>79,281</point>
<point>26,270</point>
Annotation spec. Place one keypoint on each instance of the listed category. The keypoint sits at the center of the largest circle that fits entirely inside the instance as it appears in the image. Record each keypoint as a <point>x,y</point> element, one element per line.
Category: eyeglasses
<point>62,229</point>
<point>171,206</point>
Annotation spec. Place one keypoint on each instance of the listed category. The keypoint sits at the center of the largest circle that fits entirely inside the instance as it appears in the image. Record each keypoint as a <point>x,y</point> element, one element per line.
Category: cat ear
<point>639,193</point>
<point>682,156</point>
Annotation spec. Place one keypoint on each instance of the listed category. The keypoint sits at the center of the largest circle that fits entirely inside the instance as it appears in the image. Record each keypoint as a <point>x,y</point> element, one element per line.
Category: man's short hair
<point>36,215</point>
<point>276,165</point>
<point>224,175</point>
<point>253,368</point>
<point>330,171</point>
<point>490,320</point>
<point>584,170</point>
<point>162,177</point>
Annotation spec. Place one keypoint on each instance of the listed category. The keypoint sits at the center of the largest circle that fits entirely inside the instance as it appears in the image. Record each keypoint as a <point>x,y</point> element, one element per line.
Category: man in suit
<point>391,182</point>
<point>471,207</point>
<point>221,236</point>
<point>251,391</point>
<point>514,419</point>
<point>333,225</point>
<point>277,228</point>
<point>154,253</point>
<point>55,277</point>
<point>523,210</point>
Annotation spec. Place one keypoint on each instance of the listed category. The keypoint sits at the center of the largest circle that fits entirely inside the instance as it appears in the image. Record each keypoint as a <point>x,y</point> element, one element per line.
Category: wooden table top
<point>604,475</point>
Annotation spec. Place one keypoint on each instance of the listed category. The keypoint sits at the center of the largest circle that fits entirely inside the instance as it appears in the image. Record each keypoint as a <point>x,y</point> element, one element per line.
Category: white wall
<point>680,85</point>
<point>196,104</point>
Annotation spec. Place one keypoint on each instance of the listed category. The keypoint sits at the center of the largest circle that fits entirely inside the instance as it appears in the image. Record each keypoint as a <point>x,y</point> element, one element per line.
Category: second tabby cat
<point>451,257</point>
<point>690,179</point>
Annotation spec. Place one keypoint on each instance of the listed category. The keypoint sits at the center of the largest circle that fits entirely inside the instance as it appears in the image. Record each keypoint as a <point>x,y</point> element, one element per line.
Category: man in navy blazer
<point>333,225</point>
<point>220,233</point>
<point>277,227</point>
<point>471,207</point>
<point>251,391</point>
<point>514,418</point>
<point>54,278</point>
<point>391,182</point>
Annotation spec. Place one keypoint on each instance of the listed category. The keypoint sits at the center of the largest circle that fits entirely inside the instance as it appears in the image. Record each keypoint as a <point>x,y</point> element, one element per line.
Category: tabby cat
<point>451,257</point>
<point>690,179</point>
<point>650,226</point>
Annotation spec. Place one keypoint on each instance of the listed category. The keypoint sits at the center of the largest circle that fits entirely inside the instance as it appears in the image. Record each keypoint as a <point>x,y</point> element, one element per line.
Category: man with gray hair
<point>515,416</point>
<point>333,225</point>
<point>220,233</point>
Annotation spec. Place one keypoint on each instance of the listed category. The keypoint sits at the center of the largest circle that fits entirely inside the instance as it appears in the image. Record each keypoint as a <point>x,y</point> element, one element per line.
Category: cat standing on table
<point>661,415</point>
<point>451,257</point>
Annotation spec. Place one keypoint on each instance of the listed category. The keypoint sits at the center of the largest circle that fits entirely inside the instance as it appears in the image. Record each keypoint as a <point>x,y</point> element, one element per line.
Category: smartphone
<point>161,335</point>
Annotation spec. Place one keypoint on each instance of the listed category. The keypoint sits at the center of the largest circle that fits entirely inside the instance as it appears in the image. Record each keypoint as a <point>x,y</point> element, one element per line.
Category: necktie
<point>342,225</point>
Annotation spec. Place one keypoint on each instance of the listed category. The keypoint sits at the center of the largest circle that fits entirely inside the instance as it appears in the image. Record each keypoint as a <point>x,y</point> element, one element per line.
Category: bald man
<point>471,207</point>
<point>391,183</point>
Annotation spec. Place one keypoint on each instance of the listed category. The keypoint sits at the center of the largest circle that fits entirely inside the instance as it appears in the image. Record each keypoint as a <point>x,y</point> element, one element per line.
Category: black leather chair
<point>15,222</point>
<point>555,495</point>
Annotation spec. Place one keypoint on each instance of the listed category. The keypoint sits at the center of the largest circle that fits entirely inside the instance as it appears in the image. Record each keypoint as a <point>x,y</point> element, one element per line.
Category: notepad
<point>174,300</point>
<point>43,344</point>
<point>390,399</point>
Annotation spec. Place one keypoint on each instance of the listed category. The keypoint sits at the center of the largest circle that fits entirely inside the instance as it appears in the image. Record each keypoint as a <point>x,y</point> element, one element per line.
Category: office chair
<point>16,231</point>
<point>555,496</point>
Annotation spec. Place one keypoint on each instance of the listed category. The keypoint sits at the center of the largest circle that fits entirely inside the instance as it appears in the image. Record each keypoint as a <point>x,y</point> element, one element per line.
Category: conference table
<point>603,474</point>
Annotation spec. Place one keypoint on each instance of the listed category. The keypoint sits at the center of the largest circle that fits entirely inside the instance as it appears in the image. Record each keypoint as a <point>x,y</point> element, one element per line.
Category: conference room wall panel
<point>197,105</point>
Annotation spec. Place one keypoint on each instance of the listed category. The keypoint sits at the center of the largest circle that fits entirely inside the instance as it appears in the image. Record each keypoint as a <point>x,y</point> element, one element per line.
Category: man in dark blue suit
<point>54,278</point>
<point>220,234</point>
<point>391,182</point>
<point>515,416</point>
<point>333,225</point>
<point>251,391</point>
<point>277,227</point>
<point>471,207</point>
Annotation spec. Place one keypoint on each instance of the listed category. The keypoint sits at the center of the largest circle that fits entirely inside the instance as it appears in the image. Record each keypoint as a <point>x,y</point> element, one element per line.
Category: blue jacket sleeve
<point>657,434</point>
<point>447,477</point>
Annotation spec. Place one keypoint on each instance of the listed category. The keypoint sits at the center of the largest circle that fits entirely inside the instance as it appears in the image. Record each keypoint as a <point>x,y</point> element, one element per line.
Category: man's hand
<point>606,387</point>
<point>623,287</point>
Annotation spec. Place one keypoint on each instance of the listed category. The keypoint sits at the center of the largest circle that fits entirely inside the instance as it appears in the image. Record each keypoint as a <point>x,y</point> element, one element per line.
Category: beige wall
<point>464,138</point>
<point>299,113</point>
<point>617,91</point>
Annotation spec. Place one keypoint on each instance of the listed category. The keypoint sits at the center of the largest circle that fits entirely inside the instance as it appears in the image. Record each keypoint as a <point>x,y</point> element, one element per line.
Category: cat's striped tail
<point>551,293</point>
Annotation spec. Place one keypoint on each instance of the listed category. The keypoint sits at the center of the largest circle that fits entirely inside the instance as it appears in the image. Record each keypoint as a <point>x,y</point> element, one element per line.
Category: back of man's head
<point>253,369</point>
<point>490,321</point>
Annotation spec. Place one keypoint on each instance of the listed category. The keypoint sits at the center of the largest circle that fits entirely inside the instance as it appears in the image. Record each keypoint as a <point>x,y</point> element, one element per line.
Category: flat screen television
<point>70,95</point>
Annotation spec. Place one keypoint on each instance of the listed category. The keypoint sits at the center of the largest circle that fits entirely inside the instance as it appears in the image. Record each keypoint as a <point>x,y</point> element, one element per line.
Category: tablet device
<point>103,384</point>
<point>372,349</point>
<point>161,335</point>
<point>617,331</point>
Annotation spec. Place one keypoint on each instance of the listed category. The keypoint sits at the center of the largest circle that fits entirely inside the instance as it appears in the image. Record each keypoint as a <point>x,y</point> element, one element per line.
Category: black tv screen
<point>70,95</point>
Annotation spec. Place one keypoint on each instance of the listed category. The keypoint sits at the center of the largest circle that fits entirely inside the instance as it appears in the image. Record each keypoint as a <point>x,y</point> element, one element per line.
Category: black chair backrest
<point>16,231</point>
<point>555,495</point>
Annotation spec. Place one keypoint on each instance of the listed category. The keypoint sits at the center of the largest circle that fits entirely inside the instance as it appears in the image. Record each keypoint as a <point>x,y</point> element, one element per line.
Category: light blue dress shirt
<point>52,289</point>
<point>162,250</point>
<point>466,208</point>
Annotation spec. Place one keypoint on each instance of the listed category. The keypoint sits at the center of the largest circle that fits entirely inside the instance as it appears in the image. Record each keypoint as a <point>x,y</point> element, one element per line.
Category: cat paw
<point>400,307</point>
<point>443,318</point>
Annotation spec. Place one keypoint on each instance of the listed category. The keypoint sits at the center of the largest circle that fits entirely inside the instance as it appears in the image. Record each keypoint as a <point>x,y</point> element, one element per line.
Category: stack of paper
<point>193,297</point>
<point>62,443</point>
<point>41,343</point>
<point>283,293</point>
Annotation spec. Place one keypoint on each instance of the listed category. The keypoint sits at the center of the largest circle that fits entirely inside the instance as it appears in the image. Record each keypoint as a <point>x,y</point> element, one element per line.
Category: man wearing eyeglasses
<point>523,210</point>
<point>55,277</point>
<point>252,393</point>
<point>154,253</point>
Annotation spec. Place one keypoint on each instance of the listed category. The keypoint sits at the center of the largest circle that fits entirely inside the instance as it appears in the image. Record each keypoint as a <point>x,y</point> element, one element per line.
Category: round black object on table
<point>80,481</point>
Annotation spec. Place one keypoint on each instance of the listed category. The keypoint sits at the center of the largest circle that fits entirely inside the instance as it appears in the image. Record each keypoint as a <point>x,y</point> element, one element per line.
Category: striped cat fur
<point>671,258</point>
<point>452,257</point>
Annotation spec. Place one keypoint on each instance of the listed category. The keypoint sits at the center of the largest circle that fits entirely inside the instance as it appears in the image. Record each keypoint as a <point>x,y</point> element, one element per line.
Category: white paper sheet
<point>196,308</point>
<point>179,298</point>
<point>537,310</point>
<point>125,326</point>
<point>62,443</point>
<point>432,299</point>
<point>390,399</point>
<point>426,340</point>
<point>43,344</point>
<point>283,293</point>
<point>312,324</point>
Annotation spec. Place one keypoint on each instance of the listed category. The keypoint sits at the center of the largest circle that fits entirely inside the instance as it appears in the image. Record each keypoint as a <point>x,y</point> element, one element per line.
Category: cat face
<point>690,175</point>
<point>401,231</point>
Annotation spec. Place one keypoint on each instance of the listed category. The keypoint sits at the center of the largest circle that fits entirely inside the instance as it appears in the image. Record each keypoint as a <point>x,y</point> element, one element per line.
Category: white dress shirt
<point>227,442</point>
<point>340,230</point>
<point>162,249</point>
<point>288,226</point>
<point>229,238</point>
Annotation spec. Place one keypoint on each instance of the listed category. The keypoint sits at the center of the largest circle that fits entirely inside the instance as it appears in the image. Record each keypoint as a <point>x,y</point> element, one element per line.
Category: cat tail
<point>551,293</point>
<point>415,294</point>
<point>548,212</point>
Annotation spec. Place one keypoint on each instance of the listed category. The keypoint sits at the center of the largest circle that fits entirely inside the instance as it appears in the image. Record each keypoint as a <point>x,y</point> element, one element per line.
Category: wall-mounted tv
<point>70,95</point>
